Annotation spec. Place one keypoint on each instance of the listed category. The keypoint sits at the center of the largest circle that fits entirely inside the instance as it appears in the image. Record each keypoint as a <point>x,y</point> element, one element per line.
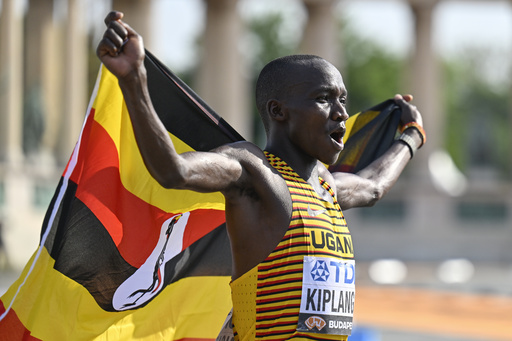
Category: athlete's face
<point>315,104</point>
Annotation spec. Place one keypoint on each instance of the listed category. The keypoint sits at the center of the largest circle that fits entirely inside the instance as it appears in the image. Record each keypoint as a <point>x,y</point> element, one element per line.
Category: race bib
<point>328,293</point>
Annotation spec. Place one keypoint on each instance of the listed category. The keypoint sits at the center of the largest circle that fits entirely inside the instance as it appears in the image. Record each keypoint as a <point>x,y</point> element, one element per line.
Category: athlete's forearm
<point>371,183</point>
<point>155,145</point>
<point>385,171</point>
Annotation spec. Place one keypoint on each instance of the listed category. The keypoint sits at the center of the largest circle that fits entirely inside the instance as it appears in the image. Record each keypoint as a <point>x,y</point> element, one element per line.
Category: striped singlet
<point>267,299</point>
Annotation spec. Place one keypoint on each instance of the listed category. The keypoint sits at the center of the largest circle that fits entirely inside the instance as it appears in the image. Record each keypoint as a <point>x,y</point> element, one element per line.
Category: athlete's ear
<point>274,110</point>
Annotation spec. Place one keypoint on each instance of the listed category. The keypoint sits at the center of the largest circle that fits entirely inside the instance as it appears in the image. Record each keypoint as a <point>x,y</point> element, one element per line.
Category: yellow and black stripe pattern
<point>317,228</point>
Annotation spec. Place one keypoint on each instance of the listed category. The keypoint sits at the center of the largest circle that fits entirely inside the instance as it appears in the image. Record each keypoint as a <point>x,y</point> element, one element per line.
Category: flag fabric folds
<point>120,257</point>
<point>369,134</point>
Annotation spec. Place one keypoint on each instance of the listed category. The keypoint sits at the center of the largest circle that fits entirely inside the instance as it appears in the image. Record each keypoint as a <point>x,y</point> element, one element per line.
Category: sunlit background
<point>434,257</point>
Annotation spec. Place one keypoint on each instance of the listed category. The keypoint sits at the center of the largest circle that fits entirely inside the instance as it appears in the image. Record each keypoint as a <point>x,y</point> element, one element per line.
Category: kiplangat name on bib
<point>328,293</point>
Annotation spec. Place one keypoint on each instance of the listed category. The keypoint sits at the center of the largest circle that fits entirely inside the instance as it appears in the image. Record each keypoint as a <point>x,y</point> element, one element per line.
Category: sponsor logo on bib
<point>315,322</point>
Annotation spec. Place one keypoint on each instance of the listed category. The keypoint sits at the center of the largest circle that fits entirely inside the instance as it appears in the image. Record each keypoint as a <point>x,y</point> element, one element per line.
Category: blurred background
<point>434,256</point>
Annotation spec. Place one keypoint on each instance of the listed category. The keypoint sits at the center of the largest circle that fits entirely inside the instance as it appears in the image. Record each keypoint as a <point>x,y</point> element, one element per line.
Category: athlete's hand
<point>409,112</point>
<point>121,49</point>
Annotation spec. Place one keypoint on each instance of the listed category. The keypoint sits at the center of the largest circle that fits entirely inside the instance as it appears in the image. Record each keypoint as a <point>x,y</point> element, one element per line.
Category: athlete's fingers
<point>113,16</point>
<point>407,97</point>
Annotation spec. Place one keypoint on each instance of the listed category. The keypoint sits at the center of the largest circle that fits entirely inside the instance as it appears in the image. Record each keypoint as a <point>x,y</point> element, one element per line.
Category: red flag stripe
<point>138,233</point>
<point>12,328</point>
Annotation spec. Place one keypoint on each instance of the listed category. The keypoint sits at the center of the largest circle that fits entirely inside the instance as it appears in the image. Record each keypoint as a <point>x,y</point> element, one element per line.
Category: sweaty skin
<point>305,130</point>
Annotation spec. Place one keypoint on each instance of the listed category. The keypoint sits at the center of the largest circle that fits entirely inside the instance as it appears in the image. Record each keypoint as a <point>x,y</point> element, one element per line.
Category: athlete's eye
<point>322,99</point>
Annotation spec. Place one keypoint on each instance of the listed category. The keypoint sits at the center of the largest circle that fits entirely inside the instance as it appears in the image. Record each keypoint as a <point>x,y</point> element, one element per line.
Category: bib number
<point>328,293</point>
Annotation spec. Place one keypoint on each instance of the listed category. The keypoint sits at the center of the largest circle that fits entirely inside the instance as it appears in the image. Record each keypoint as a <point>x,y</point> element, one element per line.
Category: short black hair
<point>273,80</point>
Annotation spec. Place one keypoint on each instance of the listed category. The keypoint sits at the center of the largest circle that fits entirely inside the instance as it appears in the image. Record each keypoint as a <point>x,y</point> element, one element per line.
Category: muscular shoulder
<point>257,175</point>
<point>243,151</point>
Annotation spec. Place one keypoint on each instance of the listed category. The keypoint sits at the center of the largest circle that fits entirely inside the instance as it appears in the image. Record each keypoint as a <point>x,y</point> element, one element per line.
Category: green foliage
<point>267,41</point>
<point>371,73</point>
<point>267,44</point>
<point>477,115</point>
<point>33,120</point>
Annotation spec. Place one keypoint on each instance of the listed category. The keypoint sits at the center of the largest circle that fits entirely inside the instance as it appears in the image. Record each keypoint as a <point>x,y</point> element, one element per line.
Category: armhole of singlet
<point>329,189</point>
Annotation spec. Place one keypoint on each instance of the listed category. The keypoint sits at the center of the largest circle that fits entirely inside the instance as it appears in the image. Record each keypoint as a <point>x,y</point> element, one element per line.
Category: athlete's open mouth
<point>337,136</point>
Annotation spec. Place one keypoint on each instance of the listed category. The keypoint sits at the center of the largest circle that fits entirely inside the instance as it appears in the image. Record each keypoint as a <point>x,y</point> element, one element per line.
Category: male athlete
<point>293,266</point>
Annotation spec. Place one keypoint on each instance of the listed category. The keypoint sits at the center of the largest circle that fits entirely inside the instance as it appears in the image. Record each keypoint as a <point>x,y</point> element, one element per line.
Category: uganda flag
<point>120,257</point>
<point>369,134</point>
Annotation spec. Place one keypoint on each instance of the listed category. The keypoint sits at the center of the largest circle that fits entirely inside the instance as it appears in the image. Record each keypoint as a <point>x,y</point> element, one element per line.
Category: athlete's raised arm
<point>371,183</point>
<point>121,50</point>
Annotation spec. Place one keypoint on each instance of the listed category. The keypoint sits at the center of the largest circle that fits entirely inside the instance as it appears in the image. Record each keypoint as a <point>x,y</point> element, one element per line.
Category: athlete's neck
<point>306,168</point>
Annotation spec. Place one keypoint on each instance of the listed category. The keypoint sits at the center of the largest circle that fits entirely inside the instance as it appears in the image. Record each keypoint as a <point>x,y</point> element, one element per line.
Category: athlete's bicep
<point>208,171</point>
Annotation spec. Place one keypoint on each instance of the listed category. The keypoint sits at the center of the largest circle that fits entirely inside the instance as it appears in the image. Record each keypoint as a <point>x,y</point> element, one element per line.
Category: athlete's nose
<point>339,112</point>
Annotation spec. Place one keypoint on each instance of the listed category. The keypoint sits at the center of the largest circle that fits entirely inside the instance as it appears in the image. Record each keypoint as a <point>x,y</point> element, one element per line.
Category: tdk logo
<point>343,272</point>
<point>320,273</point>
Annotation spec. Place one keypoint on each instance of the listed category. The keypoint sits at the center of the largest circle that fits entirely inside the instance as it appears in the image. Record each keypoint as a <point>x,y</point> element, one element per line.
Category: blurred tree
<point>33,120</point>
<point>477,112</point>
<point>266,44</point>
<point>267,41</point>
<point>371,73</point>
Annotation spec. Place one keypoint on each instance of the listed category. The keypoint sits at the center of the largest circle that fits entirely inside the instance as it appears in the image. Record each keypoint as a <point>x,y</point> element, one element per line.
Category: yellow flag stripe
<point>358,121</point>
<point>176,312</point>
<point>112,115</point>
